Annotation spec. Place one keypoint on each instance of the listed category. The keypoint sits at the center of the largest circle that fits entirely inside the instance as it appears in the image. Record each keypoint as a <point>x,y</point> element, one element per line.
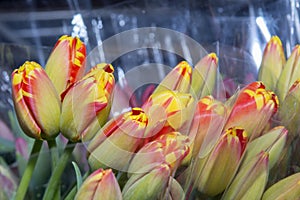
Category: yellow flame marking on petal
<point>259,96</point>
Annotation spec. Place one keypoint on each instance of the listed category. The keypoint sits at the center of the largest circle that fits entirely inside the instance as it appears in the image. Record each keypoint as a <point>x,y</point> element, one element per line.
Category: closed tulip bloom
<point>151,185</point>
<point>114,145</point>
<point>173,107</point>
<point>251,180</point>
<point>204,75</point>
<point>100,185</point>
<point>289,74</point>
<point>287,188</point>
<point>216,171</point>
<point>272,63</point>
<point>178,79</point>
<point>86,104</point>
<point>36,101</point>
<point>272,142</point>
<point>170,148</point>
<point>252,109</point>
<point>208,122</point>
<point>65,63</point>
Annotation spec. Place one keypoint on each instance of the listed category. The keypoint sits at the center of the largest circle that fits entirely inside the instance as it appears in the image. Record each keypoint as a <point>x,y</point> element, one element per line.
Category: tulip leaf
<point>78,175</point>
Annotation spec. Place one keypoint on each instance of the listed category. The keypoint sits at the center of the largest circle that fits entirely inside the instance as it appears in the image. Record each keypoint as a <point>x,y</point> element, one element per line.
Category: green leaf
<point>78,175</point>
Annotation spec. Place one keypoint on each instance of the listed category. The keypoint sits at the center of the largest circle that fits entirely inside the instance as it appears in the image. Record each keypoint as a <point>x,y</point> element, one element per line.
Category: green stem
<point>54,157</point>
<point>53,152</point>
<point>58,170</point>
<point>22,189</point>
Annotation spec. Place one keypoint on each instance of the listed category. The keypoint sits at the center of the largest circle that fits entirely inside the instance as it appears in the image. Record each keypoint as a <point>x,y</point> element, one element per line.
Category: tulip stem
<point>58,170</point>
<point>54,157</point>
<point>22,189</point>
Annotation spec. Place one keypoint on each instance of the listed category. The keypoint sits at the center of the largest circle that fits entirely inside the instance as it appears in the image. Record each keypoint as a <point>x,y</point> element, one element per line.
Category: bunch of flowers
<point>182,143</point>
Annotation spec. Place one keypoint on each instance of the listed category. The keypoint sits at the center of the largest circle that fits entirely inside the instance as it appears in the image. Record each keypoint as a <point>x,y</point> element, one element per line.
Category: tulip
<point>217,169</point>
<point>36,101</point>
<point>287,188</point>
<point>289,111</point>
<point>172,107</point>
<point>272,63</point>
<point>86,104</point>
<point>151,185</point>
<point>252,109</point>
<point>207,125</point>
<point>272,142</point>
<point>178,79</point>
<point>65,63</point>
<point>204,75</point>
<point>289,74</point>
<point>170,148</point>
<point>101,184</point>
<point>250,181</point>
<point>113,146</point>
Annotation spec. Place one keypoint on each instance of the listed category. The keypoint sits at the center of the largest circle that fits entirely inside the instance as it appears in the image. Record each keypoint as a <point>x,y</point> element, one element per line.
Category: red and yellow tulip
<point>36,101</point>
<point>170,148</point>
<point>150,185</point>
<point>100,185</point>
<point>215,171</point>
<point>252,109</point>
<point>114,145</point>
<point>172,107</point>
<point>207,125</point>
<point>65,64</point>
<point>178,79</point>
<point>86,104</point>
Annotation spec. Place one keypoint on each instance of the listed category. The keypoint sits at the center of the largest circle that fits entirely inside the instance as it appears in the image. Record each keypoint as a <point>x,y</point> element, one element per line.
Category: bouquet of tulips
<point>182,143</point>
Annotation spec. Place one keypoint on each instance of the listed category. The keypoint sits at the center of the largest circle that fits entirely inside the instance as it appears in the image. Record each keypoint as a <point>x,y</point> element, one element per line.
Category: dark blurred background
<point>237,30</point>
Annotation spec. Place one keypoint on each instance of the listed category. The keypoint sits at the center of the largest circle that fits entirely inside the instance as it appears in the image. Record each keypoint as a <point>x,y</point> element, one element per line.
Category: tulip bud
<point>65,63</point>
<point>151,185</point>
<point>287,188</point>
<point>252,109</point>
<point>289,111</point>
<point>250,181</point>
<point>178,79</point>
<point>115,143</point>
<point>100,185</point>
<point>221,164</point>
<point>86,104</point>
<point>272,63</point>
<point>170,148</point>
<point>272,142</point>
<point>172,107</point>
<point>289,74</point>
<point>36,102</point>
<point>204,75</point>
<point>207,125</point>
